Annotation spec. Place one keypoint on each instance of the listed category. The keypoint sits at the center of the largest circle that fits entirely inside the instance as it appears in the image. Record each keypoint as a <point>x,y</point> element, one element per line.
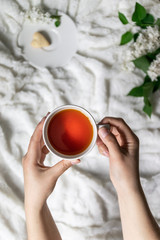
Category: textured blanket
<point>84,203</point>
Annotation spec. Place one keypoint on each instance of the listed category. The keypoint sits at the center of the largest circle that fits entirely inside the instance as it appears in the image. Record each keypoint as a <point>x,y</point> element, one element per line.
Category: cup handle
<point>105,125</point>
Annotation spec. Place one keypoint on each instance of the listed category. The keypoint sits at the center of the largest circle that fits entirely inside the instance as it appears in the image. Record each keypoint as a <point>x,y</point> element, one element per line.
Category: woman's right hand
<point>121,145</point>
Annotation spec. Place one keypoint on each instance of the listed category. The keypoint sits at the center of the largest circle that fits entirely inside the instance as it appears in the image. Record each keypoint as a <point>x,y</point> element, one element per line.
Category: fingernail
<point>47,114</point>
<point>103,132</point>
<point>74,162</point>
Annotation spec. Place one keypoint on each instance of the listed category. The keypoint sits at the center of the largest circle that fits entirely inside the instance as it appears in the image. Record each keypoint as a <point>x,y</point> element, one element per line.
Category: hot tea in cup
<point>69,132</point>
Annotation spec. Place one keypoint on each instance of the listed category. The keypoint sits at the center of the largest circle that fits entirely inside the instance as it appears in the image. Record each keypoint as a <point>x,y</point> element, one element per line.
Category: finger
<point>35,145</point>
<point>114,131</point>
<point>34,149</point>
<point>98,141</point>
<point>45,151</point>
<point>122,127</point>
<point>42,141</point>
<point>37,134</point>
<point>58,169</point>
<point>102,148</point>
<point>121,139</point>
<point>109,140</point>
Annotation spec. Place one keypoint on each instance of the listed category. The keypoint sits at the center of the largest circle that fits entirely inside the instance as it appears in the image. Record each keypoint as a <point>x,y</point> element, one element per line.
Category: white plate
<point>63,39</point>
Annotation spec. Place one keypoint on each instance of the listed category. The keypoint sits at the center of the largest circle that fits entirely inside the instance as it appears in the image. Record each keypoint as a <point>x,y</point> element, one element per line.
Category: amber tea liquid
<point>70,132</point>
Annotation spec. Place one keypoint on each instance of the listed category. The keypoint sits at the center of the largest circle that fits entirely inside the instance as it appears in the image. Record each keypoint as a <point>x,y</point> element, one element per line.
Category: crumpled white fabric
<point>84,203</point>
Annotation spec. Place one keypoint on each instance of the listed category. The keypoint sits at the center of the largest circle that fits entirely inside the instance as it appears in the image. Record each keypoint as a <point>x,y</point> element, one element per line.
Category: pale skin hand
<point>39,182</point>
<point>121,145</point>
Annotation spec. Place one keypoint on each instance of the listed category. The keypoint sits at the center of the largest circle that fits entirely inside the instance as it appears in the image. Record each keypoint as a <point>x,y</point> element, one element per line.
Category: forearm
<point>40,224</point>
<point>137,220</point>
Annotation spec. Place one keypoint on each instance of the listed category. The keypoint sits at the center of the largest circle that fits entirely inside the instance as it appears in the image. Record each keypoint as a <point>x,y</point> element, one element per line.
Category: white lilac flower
<point>127,58</point>
<point>37,15</point>
<point>154,68</point>
<point>147,41</point>
<point>128,66</point>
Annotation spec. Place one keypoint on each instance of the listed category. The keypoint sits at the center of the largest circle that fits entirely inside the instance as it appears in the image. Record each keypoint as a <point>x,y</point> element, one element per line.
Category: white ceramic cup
<point>45,131</point>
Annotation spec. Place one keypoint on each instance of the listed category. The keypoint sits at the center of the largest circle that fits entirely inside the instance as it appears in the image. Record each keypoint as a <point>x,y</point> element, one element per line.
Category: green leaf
<point>139,13</point>
<point>156,85</point>
<point>53,16</point>
<point>147,107</point>
<point>149,19</point>
<point>147,79</point>
<point>148,89</point>
<point>135,36</point>
<point>152,55</point>
<point>142,25</point>
<point>122,18</point>
<point>142,63</point>
<point>57,19</point>
<point>136,92</point>
<point>57,23</point>
<point>140,90</point>
<point>126,37</point>
<point>158,22</point>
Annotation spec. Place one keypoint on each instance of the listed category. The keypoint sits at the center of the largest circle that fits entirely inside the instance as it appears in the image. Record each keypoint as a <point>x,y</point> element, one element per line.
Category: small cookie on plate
<point>39,40</point>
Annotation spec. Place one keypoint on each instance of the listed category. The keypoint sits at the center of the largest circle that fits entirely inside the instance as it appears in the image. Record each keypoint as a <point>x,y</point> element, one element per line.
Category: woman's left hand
<point>40,180</point>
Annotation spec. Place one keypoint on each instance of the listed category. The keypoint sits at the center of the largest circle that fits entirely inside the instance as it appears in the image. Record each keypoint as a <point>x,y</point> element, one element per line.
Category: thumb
<point>62,166</point>
<point>109,140</point>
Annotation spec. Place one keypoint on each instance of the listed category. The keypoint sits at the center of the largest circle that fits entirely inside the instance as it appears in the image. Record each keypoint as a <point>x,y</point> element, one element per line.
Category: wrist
<point>33,208</point>
<point>129,190</point>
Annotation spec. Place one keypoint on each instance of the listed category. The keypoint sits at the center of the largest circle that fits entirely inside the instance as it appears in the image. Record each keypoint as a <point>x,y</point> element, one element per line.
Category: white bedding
<point>84,203</point>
